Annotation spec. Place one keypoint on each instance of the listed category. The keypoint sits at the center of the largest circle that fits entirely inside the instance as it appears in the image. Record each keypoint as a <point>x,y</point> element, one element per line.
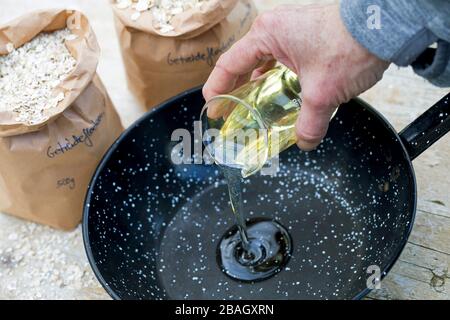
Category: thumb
<point>312,123</point>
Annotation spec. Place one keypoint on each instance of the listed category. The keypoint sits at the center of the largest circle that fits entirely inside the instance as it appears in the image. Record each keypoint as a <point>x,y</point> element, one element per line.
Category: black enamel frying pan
<point>349,207</point>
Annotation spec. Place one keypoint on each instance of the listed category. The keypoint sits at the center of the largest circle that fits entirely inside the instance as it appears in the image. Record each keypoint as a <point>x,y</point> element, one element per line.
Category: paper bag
<point>45,167</point>
<point>161,65</point>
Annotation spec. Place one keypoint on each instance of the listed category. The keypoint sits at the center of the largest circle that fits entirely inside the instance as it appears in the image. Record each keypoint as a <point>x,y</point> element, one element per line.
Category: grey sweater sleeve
<point>400,31</point>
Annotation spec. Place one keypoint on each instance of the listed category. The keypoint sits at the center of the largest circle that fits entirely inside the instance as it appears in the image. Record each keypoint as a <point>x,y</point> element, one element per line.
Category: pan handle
<point>427,129</point>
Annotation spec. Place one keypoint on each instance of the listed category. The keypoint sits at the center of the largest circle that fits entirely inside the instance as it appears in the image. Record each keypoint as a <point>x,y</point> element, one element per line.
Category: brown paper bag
<point>161,65</point>
<point>45,168</point>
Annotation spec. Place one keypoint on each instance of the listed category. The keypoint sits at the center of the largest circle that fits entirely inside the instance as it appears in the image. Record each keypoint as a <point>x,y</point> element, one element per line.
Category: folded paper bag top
<point>187,24</point>
<point>170,48</point>
<point>84,48</point>
<point>46,165</point>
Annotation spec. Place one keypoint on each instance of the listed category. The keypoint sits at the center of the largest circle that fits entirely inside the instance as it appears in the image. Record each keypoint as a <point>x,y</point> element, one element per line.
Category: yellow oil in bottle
<point>261,123</point>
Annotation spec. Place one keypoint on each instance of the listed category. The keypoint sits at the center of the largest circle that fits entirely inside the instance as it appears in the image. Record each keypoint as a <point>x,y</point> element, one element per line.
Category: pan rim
<point>166,104</point>
<point>413,194</point>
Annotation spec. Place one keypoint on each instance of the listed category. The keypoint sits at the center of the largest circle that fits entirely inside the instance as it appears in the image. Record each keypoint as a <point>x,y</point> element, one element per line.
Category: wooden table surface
<point>38,262</point>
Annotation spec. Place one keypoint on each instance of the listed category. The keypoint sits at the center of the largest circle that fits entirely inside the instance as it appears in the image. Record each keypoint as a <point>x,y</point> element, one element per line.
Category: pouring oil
<point>252,251</point>
<point>259,124</point>
<point>254,124</point>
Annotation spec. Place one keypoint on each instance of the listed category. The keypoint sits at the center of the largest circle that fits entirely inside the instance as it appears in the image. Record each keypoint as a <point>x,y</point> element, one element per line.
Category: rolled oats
<point>10,47</point>
<point>163,11</point>
<point>30,74</point>
<point>135,16</point>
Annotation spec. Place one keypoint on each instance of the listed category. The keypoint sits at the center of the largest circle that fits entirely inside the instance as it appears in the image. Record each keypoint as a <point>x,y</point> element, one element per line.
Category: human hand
<point>313,42</point>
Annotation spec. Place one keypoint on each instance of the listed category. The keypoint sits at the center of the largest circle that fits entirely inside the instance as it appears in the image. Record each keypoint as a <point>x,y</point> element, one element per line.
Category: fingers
<point>269,65</point>
<point>217,108</point>
<point>242,80</point>
<point>238,61</point>
<point>312,124</point>
<point>222,108</point>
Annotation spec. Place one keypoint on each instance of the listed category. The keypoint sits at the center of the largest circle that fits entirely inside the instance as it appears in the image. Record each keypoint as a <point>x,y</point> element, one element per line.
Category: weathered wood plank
<point>434,206</point>
<point>422,272</point>
<point>431,231</point>
<point>425,257</point>
<point>400,287</point>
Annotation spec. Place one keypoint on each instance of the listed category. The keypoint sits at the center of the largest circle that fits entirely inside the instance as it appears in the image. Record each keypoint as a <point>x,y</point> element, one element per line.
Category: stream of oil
<point>252,250</point>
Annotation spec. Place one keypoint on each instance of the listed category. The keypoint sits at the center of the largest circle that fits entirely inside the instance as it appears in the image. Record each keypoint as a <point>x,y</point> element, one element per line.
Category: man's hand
<point>313,42</point>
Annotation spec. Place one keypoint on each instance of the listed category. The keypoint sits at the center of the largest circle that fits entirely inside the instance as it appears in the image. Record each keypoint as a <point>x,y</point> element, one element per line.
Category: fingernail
<point>306,146</point>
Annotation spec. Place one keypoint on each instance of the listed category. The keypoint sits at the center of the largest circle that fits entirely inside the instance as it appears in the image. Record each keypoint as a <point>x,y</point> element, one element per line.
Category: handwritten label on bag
<point>210,54</point>
<point>70,143</point>
<point>66,182</point>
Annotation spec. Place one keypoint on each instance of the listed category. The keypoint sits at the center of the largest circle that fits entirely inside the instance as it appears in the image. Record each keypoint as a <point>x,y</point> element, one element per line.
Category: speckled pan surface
<point>151,228</point>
